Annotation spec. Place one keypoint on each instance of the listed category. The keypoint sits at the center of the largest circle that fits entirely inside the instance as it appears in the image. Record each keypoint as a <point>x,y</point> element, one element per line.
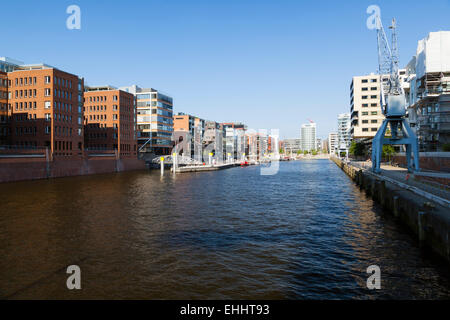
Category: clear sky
<point>269,64</point>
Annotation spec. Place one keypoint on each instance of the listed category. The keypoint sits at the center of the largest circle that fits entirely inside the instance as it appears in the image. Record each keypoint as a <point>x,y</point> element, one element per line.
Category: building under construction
<point>429,92</point>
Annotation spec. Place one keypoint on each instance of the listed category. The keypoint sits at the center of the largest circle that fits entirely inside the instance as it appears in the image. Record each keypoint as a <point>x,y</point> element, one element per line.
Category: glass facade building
<point>154,120</point>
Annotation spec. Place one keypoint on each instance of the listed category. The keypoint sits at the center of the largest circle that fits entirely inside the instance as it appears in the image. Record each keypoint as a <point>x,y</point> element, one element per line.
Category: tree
<point>388,151</point>
<point>281,151</point>
<point>299,152</point>
<point>446,147</point>
<point>314,152</point>
<point>305,152</point>
<point>357,149</point>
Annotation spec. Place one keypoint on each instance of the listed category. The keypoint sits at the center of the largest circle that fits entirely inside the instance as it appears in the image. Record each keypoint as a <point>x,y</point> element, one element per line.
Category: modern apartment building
<point>190,127</point>
<point>4,119</point>
<point>366,115</point>
<point>234,144</point>
<point>429,91</point>
<point>332,142</point>
<point>344,127</point>
<point>46,109</point>
<point>292,145</point>
<point>154,120</point>
<point>8,64</point>
<point>110,121</point>
<point>308,136</point>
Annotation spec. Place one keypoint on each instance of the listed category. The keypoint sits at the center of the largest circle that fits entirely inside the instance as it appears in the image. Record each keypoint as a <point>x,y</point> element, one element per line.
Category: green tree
<point>388,151</point>
<point>314,152</point>
<point>305,152</point>
<point>446,147</point>
<point>357,149</point>
<point>299,152</point>
<point>281,151</point>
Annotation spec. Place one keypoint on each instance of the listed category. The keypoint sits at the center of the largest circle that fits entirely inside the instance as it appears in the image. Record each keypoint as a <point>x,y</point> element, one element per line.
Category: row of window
<point>372,113</point>
<point>371,88</point>
<point>365,105</point>
<point>371,129</point>
<point>101,98</point>
<point>371,97</point>
<point>47,80</point>
<point>371,80</point>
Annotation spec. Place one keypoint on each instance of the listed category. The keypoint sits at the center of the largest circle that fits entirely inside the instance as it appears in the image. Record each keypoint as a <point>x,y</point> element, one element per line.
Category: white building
<point>292,145</point>
<point>332,142</point>
<point>428,94</point>
<point>344,127</point>
<point>308,136</point>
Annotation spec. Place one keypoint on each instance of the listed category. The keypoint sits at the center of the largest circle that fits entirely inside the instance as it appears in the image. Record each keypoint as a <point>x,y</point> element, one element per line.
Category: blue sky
<point>270,64</point>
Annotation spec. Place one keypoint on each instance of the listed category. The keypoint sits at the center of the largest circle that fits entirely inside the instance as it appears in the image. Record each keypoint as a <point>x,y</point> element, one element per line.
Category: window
<point>47,104</point>
<point>364,97</point>
<point>374,113</point>
<point>365,105</point>
<point>373,97</point>
<point>47,79</point>
<point>373,88</point>
<point>365,121</point>
<point>373,80</point>
<point>364,81</point>
<point>47,92</point>
<point>374,121</point>
<point>365,89</point>
<point>373,105</point>
<point>365,129</point>
<point>114,98</point>
<point>373,129</point>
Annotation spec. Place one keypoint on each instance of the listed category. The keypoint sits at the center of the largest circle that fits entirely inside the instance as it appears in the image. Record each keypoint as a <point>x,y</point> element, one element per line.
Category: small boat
<point>244,164</point>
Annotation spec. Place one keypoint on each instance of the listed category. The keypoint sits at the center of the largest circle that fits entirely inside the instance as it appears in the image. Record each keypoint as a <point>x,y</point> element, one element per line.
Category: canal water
<point>304,233</point>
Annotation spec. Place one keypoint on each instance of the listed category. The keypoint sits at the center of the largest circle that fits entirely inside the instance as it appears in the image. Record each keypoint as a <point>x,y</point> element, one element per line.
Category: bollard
<point>421,222</point>
<point>396,206</point>
<point>162,165</point>
<point>174,163</point>
<point>210,158</point>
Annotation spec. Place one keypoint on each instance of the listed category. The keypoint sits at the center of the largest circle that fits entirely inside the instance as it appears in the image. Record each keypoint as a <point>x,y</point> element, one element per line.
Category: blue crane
<point>393,104</point>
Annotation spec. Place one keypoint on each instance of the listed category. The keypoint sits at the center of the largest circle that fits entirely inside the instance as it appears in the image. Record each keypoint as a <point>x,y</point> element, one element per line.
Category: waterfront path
<point>401,175</point>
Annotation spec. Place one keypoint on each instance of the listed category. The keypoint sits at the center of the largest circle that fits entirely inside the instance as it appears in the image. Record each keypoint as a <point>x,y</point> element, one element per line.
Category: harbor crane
<point>393,103</point>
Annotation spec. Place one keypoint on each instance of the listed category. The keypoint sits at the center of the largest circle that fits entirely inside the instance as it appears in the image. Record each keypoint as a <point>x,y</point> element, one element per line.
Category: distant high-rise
<point>308,136</point>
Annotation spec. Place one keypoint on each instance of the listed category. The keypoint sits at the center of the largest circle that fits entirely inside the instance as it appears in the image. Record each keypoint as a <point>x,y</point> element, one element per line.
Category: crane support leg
<point>377,147</point>
<point>411,140</point>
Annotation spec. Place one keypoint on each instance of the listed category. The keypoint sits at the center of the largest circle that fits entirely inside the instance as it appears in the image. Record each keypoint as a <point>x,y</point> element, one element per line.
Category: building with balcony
<point>110,121</point>
<point>344,127</point>
<point>428,95</point>
<point>154,120</point>
<point>188,132</point>
<point>332,142</point>
<point>365,110</point>
<point>365,107</point>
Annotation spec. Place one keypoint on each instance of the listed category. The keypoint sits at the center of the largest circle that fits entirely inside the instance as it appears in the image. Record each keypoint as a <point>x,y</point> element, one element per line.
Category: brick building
<point>110,120</point>
<point>45,109</point>
<point>3,108</point>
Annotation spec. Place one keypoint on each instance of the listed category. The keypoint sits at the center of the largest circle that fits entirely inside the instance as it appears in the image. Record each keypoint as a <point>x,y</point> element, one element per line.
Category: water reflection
<point>306,232</point>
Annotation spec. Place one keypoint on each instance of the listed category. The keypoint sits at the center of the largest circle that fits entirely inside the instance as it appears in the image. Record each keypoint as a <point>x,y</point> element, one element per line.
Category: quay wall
<point>427,219</point>
<point>19,169</point>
